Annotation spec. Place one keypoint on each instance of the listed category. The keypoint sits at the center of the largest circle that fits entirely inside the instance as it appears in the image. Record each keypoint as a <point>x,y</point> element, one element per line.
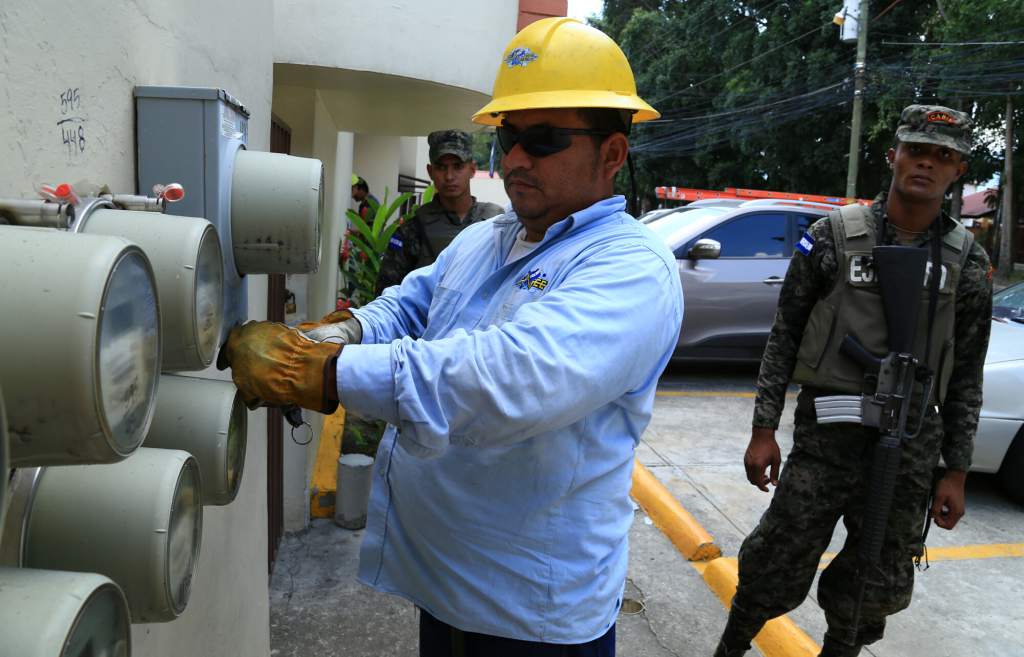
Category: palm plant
<point>369,240</point>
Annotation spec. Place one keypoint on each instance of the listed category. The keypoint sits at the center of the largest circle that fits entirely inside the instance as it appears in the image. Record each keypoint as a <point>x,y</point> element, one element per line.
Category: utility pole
<point>957,204</point>
<point>858,99</point>
<point>1008,219</point>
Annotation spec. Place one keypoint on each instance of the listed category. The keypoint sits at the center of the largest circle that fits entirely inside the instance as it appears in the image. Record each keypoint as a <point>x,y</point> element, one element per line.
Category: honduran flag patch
<point>805,244</point>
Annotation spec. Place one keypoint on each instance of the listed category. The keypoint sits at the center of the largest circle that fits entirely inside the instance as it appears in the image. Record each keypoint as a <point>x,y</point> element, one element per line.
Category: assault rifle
<point>900,271</point>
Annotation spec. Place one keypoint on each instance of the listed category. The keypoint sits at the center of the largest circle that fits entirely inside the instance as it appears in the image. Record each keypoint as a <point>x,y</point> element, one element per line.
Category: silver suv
<point>732,261</point>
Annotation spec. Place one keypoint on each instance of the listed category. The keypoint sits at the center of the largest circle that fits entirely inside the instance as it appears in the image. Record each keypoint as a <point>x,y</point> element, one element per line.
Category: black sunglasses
<point>541,140</point>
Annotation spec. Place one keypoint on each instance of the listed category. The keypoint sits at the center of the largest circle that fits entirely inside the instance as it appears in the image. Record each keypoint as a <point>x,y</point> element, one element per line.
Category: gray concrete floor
<point>694,446</point>
<point>317,609</point>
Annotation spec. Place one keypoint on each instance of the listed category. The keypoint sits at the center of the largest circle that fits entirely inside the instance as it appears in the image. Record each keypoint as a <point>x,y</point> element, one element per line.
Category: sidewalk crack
<point>647,618</point>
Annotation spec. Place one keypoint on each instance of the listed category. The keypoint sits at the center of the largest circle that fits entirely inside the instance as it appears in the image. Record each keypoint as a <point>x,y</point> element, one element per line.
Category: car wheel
<point>1011,472</point>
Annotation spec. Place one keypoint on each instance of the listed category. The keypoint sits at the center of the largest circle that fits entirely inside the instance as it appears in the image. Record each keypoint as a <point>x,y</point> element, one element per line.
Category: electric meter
<point>139,522</point>
<point>277,204</point>
<point>81,336</point>
<point>207,419</point>
<point>186,257</point>
<point>46,613</point>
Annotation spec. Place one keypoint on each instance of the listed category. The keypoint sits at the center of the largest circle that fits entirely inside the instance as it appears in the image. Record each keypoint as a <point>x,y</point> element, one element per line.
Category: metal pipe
<point>138,203</point>
<point>35,213</point>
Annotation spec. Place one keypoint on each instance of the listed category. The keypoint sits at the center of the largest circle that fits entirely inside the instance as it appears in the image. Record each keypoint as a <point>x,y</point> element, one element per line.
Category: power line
<point>733,68</point>
<point>952,43</point>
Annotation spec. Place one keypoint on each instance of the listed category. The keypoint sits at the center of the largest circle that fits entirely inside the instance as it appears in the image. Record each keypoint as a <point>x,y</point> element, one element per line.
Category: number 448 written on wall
<point>71,124</point>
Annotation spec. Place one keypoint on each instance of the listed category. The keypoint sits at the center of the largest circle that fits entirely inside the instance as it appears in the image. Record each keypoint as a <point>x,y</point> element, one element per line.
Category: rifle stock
<point>900,271</point>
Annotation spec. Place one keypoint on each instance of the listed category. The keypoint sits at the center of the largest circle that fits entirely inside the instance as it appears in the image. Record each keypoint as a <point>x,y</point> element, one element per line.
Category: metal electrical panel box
<point>191,135</point>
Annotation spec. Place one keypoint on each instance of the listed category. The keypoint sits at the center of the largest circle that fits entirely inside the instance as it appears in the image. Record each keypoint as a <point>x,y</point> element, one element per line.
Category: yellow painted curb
<point>325,469</point>
<point>780,637</point>
<point>671,518</point>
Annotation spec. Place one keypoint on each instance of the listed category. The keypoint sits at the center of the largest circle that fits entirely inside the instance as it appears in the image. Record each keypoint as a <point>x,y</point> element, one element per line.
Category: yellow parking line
<point>704,393</point>
<point>712,393</point>
<point>959,553</point>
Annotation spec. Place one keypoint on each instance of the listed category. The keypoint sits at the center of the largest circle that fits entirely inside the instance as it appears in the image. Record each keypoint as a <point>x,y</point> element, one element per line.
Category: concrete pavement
<point>317,609</point>
<point>694,446</point>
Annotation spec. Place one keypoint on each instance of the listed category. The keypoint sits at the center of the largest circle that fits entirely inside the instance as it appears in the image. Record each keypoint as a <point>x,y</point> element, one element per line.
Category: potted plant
<point>361,256</point>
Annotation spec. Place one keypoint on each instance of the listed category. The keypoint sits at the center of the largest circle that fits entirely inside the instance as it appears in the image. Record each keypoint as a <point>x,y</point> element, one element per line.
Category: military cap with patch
<point>934,124</point>
<point>450,142</point>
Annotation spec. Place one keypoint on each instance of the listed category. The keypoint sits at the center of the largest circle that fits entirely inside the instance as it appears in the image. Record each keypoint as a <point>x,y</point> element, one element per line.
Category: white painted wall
<point>100,50</point>
<point>488,189</point>
<point>410,147</point>
<point>376,159</point>
<point>452,42</point>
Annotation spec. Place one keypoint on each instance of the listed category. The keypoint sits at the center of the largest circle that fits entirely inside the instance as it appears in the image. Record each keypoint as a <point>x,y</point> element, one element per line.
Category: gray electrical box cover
<point>190,135</point>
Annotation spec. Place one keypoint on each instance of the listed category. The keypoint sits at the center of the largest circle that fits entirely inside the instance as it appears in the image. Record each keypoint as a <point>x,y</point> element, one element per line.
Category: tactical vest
<point>854,306</point>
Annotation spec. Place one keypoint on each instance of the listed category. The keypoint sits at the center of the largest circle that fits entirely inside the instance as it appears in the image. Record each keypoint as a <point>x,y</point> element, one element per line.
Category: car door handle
<point>772,280</point>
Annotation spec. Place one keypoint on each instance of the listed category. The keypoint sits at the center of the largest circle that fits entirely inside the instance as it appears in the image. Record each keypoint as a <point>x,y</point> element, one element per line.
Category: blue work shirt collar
<point>575,221</point>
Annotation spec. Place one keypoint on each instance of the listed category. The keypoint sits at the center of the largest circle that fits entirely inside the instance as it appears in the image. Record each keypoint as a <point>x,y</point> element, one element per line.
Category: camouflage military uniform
<point>825,474</point>
<point>414,246</point>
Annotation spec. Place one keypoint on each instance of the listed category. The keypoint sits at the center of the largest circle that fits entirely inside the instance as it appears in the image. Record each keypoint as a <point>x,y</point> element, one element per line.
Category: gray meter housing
<point>191,135</point>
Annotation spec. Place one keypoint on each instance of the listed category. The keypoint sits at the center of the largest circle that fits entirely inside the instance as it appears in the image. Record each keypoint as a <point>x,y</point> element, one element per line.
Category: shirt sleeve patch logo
<point>395,243</point>
<point>532,280</point>
<point>806,244</point>
<point>520,57</point>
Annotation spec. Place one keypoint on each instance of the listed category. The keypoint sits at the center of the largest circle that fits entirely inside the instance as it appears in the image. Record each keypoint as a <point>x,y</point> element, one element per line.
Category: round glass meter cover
<point>102,627</point>
<point>129,351</point>
<point>237,428</point>
<point>184,535</point>
<point>209,295</point>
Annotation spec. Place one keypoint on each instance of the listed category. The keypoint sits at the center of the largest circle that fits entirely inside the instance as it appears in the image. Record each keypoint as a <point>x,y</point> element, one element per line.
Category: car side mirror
<point>705,249</point>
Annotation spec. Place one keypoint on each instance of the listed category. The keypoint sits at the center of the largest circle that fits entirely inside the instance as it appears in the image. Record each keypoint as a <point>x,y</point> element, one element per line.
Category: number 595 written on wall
<point>72,128</point>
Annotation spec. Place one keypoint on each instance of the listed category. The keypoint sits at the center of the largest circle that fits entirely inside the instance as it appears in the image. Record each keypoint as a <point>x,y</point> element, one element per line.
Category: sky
<point>583,9</point>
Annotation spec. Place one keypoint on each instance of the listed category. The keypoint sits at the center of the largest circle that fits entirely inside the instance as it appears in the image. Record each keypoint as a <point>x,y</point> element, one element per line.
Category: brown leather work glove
<point>275,365</point>
<point>333,317</point>
<point>339,327</point>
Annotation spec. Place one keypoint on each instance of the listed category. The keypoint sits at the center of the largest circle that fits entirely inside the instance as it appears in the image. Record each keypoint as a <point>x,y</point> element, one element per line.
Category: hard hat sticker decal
<point>520,57</point>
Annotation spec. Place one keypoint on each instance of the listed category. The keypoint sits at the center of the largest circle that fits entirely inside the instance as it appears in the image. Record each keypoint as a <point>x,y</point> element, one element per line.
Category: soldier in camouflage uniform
<point>825,476</point>
<point>417,243</point>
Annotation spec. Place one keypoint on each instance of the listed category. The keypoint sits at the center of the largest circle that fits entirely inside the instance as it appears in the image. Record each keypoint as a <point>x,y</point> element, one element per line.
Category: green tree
<point>758,93</point>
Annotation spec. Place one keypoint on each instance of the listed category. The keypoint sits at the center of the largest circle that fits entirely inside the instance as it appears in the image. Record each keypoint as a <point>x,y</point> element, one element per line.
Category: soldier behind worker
<point>361,195</point>
<point>824,478</point>
<point>417,242</point>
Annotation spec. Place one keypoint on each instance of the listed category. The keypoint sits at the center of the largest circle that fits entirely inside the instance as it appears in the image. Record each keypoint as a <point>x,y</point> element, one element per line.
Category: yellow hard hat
<point>560,62</point>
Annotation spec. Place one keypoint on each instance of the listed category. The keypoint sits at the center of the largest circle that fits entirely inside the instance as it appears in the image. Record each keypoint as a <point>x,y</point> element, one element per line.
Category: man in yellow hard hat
<point>518,372</point>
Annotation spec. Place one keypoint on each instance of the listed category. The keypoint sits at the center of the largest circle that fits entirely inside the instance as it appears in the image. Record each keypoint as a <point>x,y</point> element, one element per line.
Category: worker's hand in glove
<point>275,365</point>
<point>339,326</point>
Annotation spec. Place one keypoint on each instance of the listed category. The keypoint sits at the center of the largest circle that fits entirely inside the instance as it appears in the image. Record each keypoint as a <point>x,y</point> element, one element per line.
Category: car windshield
<point>674,228</point>
<point>655,214</point>
<point>1009,303</point>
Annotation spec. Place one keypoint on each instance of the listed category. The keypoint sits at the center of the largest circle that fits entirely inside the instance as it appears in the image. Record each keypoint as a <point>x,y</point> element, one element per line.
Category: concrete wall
<point>100,50</point>
<point>492,190</point>
<point>376,159</point>
<point>454,42</point>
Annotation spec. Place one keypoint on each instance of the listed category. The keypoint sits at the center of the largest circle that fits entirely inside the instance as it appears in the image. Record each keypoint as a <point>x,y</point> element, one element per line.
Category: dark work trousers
<point>825,480</point>
<point>439,639</point>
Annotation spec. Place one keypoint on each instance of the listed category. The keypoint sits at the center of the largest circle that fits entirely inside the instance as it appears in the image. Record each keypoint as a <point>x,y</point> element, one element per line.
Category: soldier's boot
<point>739,631</point>
<point>725,651</point>
<point>835,648</point>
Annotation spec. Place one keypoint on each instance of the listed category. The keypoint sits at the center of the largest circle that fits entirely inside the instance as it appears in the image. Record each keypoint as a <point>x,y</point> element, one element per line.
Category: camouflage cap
<point>450,142</point>
<point>934,124</point>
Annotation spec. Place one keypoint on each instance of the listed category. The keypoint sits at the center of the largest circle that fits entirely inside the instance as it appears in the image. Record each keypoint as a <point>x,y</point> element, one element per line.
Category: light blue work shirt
<point>517,394</point>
